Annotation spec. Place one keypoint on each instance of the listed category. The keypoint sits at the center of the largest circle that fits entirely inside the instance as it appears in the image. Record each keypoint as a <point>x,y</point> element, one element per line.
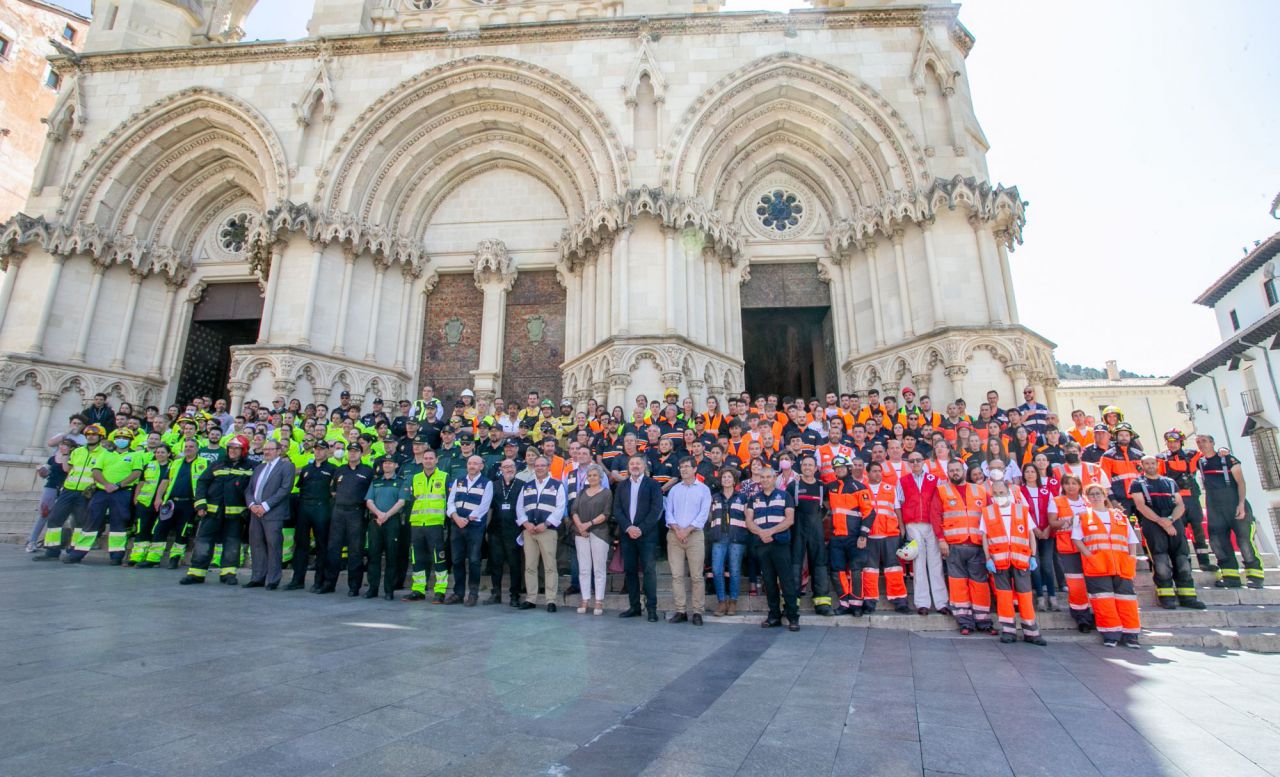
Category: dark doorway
<point>786,352</point>
<point>228,314</point>
<point>788,341</point>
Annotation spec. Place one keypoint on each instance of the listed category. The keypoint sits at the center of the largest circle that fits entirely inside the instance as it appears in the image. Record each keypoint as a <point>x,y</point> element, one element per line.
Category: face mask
<point>1073,458</point>
<point>784,465</point>
<point>1002,500</point>
<point>122,444</point>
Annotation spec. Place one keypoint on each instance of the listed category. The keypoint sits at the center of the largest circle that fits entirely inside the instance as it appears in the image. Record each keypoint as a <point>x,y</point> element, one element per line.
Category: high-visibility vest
<point>1062,537</point>
<point>1083,438</point>
<point>1121,466</point>
<point>1012,547</point>
<point>466,498</point>
<point>539,504</point>
<point>826,454</point>
<point>80,466</point>
<point>850,503</point>
<point>150,481</point>
<point>894,472</point>
<point>198,466</point>
<point>883,497</point>
<point>962,510</point>
<point>713,422</point>
<point>429,497</point>
<point>1108,542</point>
<point>1088,473</point>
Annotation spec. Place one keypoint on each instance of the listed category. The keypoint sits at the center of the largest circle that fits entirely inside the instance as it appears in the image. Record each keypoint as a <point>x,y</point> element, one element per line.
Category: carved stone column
<point>922,381</point>
<point>171,286</point>
<point>931,261</point>
<point>1017,373</point>
<point>87,309</point>
<point>904,288</point>
<point>619,382</point>
<point>956,374</point>
<point>309,302</point>
<point>877,310</point>
<point>36,348</point>
<point>273,291</point>
<point>344,302</point>
<point>495,274</point>
<point>600,392</point>
<point>126,323</point>
<point>375,310</point>
<point>11,264</point>
<point>698,390</point>
<point>5,395</point>
<point>39,434</point>
<point>992,283</point>
<point>408,275</point>
<point>321,394</point>
<point>237,389</point>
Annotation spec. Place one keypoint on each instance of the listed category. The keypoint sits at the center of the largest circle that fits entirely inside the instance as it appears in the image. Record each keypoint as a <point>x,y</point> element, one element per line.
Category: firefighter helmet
<point>910,551</point>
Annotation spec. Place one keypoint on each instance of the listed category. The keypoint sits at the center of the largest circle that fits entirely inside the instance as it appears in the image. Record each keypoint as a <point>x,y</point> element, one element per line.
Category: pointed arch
<point>166,166</point>
<point>415,141</point>
<point>820,117</point>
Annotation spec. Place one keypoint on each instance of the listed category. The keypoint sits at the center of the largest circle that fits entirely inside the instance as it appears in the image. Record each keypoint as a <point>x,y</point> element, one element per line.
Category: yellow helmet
<point>125,433</point>
<point>1110,409</point>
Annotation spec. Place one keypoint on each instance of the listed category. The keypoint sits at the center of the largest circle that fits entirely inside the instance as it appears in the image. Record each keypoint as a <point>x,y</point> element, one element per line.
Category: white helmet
<point>909,551</point>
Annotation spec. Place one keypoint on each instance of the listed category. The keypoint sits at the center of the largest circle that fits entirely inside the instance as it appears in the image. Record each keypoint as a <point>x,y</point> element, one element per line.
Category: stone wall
<point>534,338</point>
<point>449,354</point>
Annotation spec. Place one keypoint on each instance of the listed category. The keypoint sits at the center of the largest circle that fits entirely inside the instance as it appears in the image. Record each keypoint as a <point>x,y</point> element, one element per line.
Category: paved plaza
<point>124,673</point>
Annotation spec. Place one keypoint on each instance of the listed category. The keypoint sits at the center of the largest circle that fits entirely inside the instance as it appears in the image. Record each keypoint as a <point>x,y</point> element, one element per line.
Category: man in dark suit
<point>268,500</point>
<point>637,507</point>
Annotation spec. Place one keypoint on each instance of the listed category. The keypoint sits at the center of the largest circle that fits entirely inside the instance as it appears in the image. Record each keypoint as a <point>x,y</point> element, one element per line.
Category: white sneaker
<point>31,547</point>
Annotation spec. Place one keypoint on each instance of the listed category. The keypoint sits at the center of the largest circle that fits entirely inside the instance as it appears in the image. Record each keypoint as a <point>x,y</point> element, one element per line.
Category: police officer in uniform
<point>1230,516</point>
<point>1161,509</point>
<point>385,499</point>
<point>315,511</point>
<point>346,528</point>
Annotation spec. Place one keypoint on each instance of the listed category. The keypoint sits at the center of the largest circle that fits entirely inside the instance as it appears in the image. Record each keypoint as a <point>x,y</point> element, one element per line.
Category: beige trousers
<point>686,559</point>
<point>541,546</point>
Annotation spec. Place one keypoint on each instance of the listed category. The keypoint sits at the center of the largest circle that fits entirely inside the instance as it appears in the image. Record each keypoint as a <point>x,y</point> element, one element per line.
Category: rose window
<point>780,210</point>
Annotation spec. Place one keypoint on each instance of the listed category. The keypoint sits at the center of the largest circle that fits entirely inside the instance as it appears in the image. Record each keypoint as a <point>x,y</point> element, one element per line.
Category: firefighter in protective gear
<point>1108,549</point>
<point>77,489</point>
<point>430,489</point>
<point>180,489</point>
<point>1230,516</point>
<point>1180,465</point>
<point>963,506</point>
<point>879,543</point>
<point>1064,512</point>
<point>1010,548</point>
<point>808,540</point>
<point>1120,463</point>
<point>1112,416</point>
<point>851,510</point>
<point>220,503</point>
<point>111,504</point>
<point>146,505</point>
<point>1161,511</point>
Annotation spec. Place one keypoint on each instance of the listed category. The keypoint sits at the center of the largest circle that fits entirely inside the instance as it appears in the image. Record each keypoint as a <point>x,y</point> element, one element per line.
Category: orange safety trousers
<point>1115,605</point>
<point>1077,591</point>
<point>882,556</point>
<point>969,586</point>
<point>1013,585</point>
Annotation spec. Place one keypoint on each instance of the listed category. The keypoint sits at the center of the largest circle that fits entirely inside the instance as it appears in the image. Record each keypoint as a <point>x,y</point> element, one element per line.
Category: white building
<point>591,197</point>
<point>1232,391</point>
<point>1152,405</point>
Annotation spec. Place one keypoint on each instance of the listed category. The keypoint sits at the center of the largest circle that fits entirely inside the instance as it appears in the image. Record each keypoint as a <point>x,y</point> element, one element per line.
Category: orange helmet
<point>94,429</point>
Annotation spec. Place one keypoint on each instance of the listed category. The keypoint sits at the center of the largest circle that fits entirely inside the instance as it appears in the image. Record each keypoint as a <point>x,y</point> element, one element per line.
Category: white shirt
<point>635,497</point>
<point>482,510</point>
<point>1006,515</point>
<point>538,486</point>
<point>257,492</point>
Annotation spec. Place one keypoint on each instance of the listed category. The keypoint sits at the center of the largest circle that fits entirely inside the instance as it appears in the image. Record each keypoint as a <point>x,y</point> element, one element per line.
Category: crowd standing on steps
<point>786,495</point>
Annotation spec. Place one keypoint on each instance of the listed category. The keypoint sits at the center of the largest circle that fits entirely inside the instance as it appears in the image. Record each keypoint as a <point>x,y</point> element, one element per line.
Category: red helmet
<point>240,441</point>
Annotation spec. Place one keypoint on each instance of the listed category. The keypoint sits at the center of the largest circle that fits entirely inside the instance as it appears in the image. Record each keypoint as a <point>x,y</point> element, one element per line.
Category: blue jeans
<point>734,552</point>
<point>1044,580</point>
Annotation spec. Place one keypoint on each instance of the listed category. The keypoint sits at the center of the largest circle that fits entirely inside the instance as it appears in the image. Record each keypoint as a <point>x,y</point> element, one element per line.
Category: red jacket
<point>920,504</point>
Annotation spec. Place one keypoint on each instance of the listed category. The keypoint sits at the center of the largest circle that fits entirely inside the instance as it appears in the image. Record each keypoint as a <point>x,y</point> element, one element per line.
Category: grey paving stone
<point>962,751</point>
<point>873,755</point>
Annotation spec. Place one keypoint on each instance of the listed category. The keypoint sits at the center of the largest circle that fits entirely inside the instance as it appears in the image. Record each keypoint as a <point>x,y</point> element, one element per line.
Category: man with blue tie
<point>637,508</point>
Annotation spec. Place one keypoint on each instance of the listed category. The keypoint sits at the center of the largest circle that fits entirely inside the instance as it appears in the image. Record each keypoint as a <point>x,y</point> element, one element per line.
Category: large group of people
<point>819,497</point>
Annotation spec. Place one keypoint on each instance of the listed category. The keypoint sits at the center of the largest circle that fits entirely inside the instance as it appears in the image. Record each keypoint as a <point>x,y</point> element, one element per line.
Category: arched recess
<point>154,177</point>
<point>414,143</point>
<point>816,117</point>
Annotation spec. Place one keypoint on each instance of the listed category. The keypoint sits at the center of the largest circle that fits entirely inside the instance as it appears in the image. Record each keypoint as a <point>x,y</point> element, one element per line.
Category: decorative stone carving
<point>493,264</point>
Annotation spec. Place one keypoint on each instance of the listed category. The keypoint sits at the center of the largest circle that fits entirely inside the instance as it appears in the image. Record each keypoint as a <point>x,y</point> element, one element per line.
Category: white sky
<point>1144,133</point>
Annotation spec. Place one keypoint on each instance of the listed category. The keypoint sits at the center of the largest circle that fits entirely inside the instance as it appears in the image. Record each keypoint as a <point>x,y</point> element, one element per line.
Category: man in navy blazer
<point>637,507</point>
